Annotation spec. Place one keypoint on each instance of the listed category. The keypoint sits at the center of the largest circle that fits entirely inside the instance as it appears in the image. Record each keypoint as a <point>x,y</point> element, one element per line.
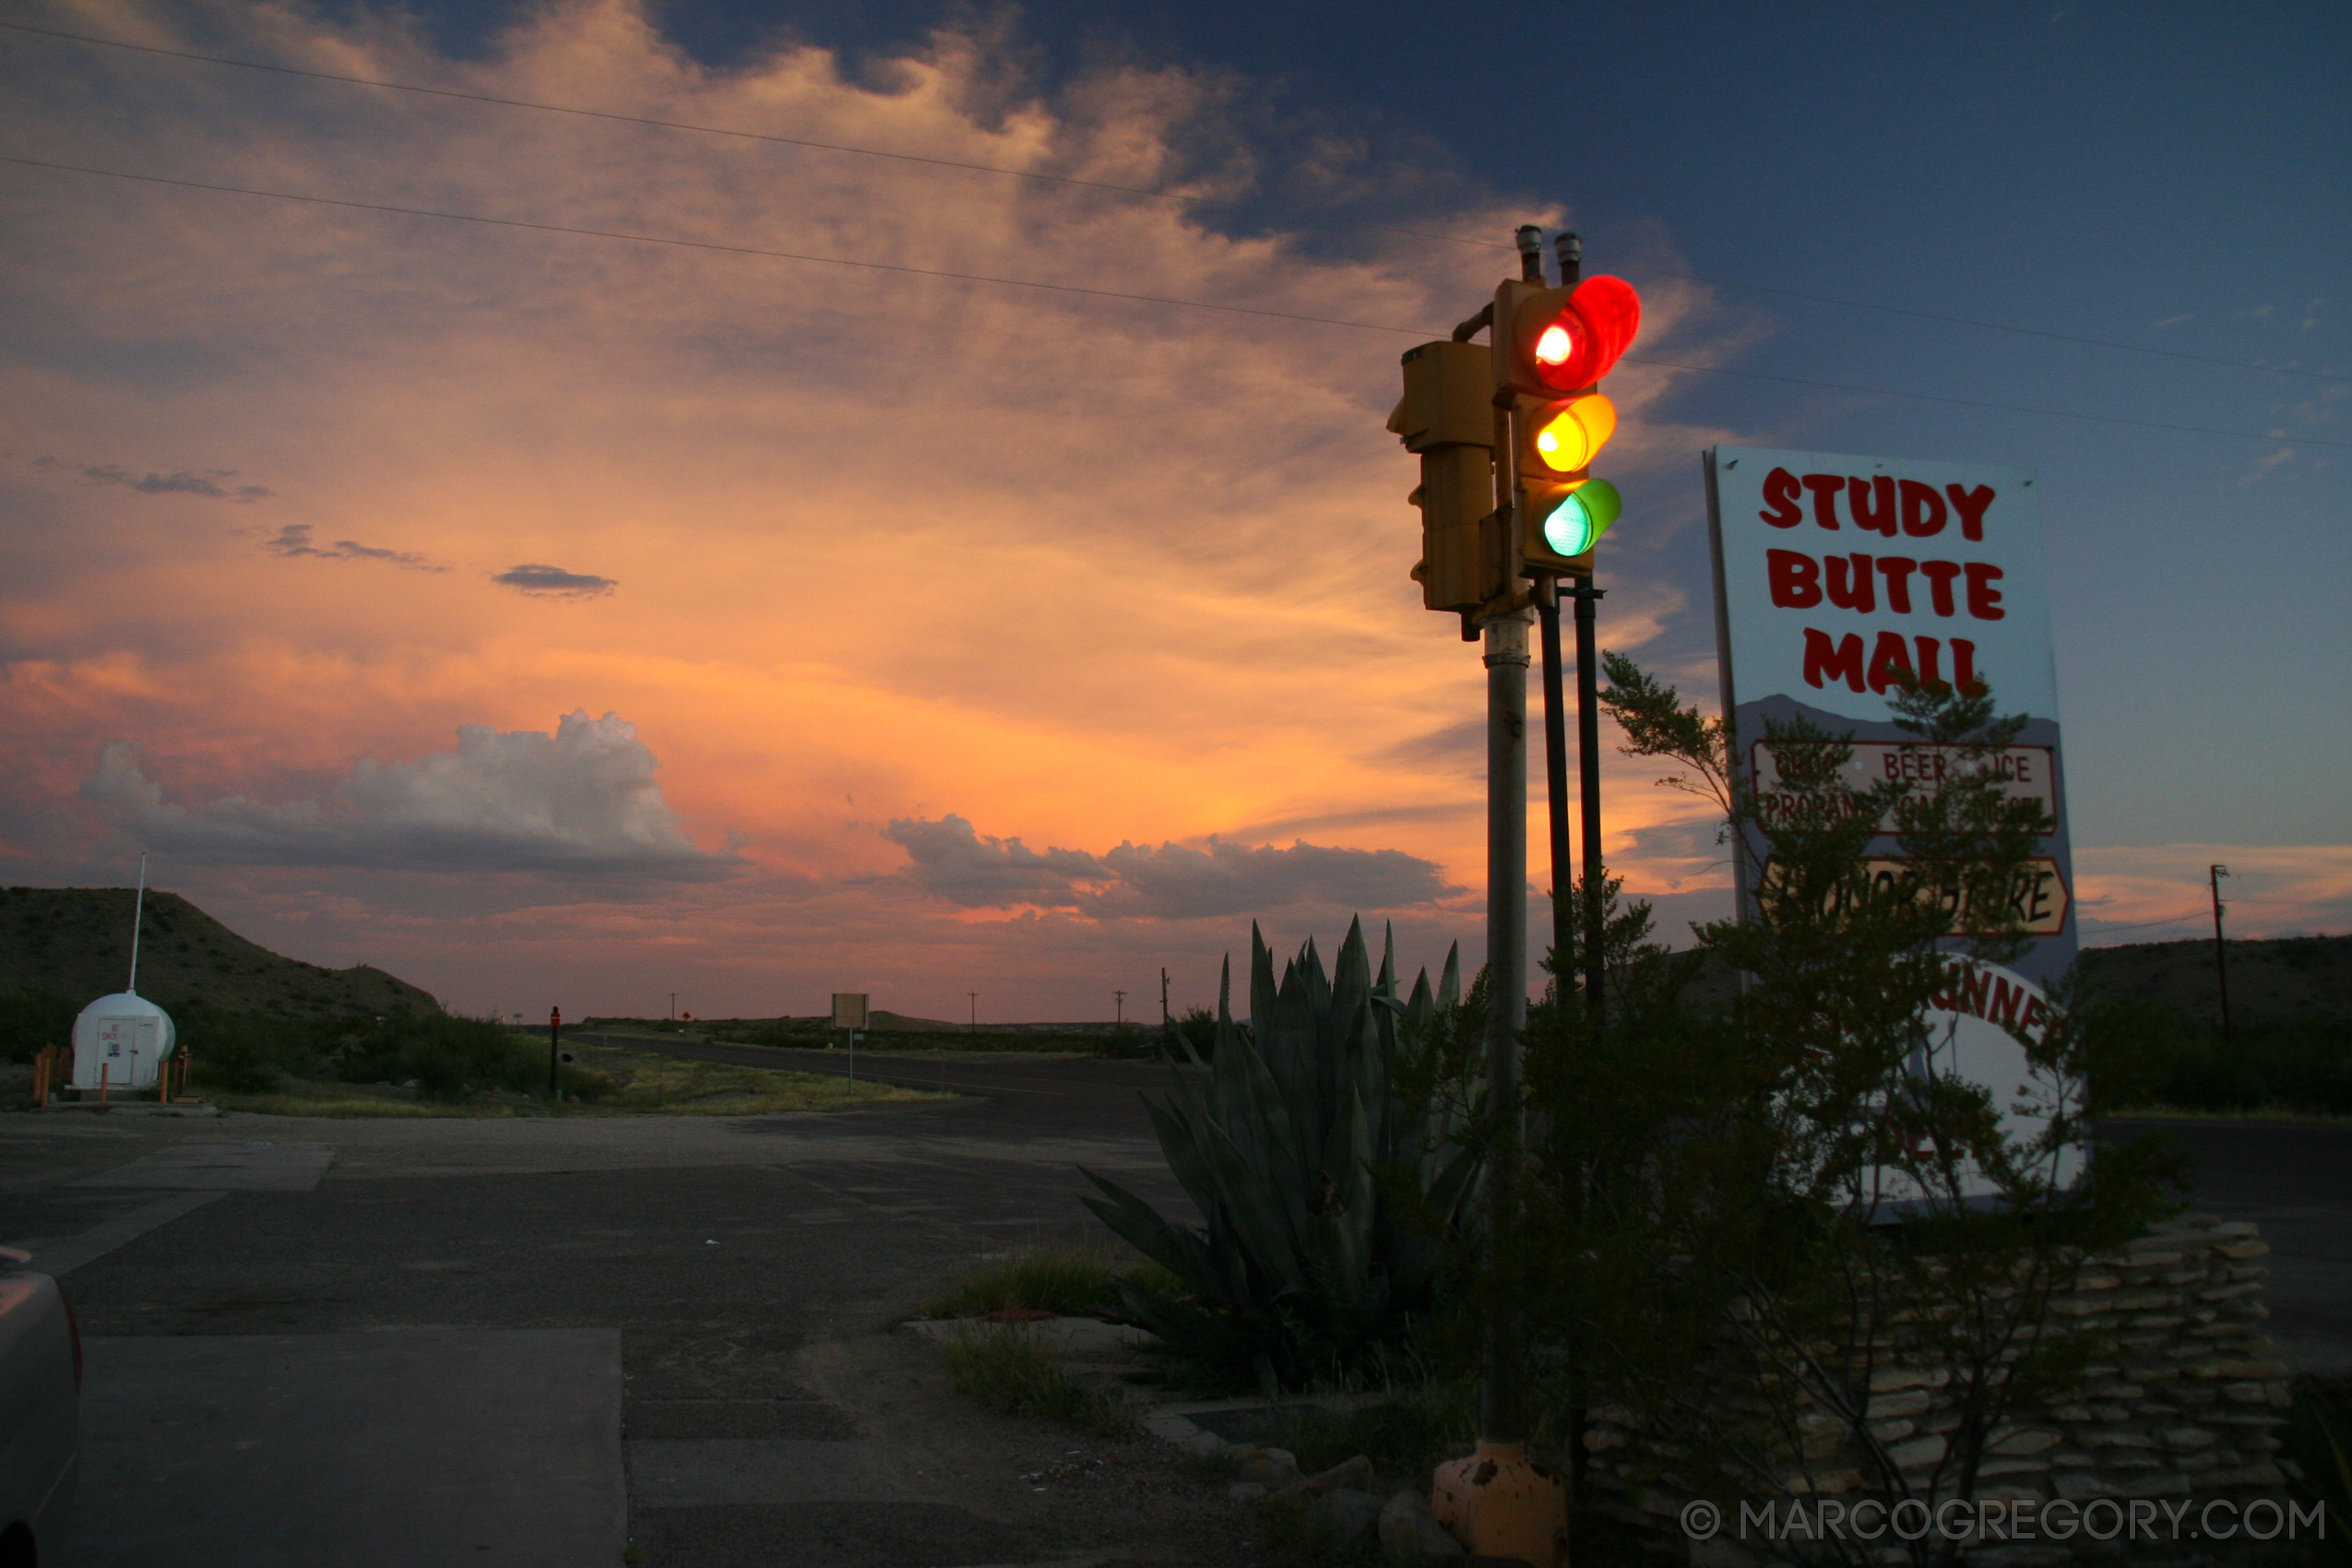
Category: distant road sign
<point>849,1009</point>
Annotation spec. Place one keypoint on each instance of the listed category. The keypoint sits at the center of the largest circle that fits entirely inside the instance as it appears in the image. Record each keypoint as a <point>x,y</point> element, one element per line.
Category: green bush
<point>1329,1189</point>
<point>30,1019</point>
<point>2295,1064</point>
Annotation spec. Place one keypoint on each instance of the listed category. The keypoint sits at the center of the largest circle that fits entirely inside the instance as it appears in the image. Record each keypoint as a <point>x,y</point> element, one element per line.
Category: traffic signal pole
<point>1589,783</point>
<point>1524,418</point>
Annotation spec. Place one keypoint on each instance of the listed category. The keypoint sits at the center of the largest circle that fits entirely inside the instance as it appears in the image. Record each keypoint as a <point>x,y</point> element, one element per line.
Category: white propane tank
<point>127,1036</point>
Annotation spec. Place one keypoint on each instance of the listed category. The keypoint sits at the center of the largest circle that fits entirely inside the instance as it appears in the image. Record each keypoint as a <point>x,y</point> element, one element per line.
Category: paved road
<point>2294,1179</point>
<point>752,1268</point>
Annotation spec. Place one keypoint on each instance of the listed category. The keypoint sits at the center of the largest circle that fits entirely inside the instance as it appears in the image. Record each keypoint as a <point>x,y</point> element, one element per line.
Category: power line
<point>1142,191</point>
<point>1990,325</point>
<point>617,118</point>
<point>1113,294</point>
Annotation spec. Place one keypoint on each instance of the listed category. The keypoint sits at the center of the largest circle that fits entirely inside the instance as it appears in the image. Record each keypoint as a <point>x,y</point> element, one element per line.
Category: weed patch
<point>1068,1281</point>
<point>1004,1367</point>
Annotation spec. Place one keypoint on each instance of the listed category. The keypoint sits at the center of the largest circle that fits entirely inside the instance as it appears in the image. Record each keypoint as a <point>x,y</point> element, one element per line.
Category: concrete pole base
<point>1498,1503</point>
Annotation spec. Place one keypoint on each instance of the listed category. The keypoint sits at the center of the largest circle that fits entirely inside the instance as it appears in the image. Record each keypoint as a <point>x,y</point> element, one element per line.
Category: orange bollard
<point>40,1076</point>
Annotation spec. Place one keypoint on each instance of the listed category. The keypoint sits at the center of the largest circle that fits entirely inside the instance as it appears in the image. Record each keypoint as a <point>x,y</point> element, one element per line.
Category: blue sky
<point>381,482</point>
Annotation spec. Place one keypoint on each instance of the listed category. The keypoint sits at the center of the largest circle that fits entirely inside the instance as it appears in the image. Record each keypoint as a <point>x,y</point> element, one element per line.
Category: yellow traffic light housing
<point>1447,417</point>
<point>1561,509</point>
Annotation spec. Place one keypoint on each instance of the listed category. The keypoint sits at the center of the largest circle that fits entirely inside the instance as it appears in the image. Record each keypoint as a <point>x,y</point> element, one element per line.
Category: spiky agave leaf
<point>1302,1268</point>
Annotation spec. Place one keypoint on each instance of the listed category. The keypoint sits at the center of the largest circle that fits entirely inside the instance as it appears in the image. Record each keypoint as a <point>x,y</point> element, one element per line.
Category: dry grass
<point>634,1084</point>
<point>1003,1366</point>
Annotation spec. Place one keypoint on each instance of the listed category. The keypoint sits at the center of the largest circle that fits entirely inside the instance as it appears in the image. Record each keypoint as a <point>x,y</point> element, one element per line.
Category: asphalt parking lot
<point>679,1330</point>
<point>747,1274</point>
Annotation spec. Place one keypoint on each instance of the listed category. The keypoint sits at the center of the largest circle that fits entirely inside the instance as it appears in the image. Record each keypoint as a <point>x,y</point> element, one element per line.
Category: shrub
<point>1328,1194</point>
<point>30,1019</point>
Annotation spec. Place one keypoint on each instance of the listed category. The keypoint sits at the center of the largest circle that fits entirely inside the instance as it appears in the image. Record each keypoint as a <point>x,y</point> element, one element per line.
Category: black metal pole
<point>1588,781</point>
<point>554,1026</point>
<point>2220,950</point>
<point>1555,771</point>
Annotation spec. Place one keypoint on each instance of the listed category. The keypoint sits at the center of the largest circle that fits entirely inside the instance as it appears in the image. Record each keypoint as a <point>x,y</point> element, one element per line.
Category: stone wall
<point>2187,1404</point>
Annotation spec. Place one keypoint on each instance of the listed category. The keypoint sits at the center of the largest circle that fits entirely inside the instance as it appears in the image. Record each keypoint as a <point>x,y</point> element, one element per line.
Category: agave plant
<point>1328,1194</point>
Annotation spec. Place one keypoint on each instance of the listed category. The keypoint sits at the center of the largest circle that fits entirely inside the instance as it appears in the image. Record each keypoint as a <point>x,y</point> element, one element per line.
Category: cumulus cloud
<point>554,582</point>
<point>954,861</point>
<point>581,801</point>
<point>210,483</point>
<point>294,540</point>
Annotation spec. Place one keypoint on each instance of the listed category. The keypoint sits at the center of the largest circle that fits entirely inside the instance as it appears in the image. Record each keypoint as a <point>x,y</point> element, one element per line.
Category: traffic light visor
<point>1568,437</point>
<point>1580,519</point>
<point>1582,334</point>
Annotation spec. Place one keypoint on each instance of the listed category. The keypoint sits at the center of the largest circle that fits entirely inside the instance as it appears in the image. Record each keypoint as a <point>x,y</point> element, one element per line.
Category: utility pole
<point>1120,1015</point>
<point>2220,951</point>
<point>975,996</point>
<point>554,1027</point>
<point>1167,1021</point>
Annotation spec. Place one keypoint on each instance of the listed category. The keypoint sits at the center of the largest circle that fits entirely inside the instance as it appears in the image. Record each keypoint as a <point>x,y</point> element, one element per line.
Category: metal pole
<point>1588,784</point>
<point>2220,953</point>
<point>554,1027</point>
<point>139,914</point>
<point>1501,1418</point>
<point>1555,776</point>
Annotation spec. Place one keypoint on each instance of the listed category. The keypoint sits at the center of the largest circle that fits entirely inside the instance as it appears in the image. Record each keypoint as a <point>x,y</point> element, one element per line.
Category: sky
<point>750,610</point>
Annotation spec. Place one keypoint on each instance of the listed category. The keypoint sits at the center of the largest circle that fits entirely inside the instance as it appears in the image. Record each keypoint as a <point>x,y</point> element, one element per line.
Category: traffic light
<point>1549,342</point>
<point>1447,416</point>
<point>1552,346</point>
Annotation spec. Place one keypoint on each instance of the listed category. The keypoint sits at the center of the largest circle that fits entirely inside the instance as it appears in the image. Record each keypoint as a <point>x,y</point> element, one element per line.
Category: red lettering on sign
<point>1939,575</point>
<point>1857,594</point>
<point>1780,492</point>
<point>1897,570</point>
<point>1964,663</point>
<point>1795,578</point>
<point>1839,662</point>
<point>1984,600</point>
<point>1872,503</point>
<point>1975,985</point>
<point>2006,1001</point>
<point>1825,488</point>
<point>2036,1015</point>
<point>1923,510</point>
<point>1890,662</point>
<point>1971,504</point>
<point>1929,648</point>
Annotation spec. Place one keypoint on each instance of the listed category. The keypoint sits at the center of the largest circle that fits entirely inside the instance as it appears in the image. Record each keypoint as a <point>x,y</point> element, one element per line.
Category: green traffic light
<point>1582,517</point>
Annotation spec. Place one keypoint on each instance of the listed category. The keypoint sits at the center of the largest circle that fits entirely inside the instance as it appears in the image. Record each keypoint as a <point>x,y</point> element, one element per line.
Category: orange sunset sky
<point>553,619</point>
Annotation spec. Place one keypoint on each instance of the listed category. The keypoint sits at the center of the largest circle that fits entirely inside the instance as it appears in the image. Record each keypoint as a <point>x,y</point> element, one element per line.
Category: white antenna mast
<point>137,909</point>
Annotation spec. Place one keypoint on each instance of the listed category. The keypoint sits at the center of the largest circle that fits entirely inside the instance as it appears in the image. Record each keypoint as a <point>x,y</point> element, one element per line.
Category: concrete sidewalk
<point>372,1450</point>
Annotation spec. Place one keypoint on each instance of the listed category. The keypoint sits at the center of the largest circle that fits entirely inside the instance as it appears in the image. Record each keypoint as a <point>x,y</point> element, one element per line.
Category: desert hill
<point>76,941</point>
<point>2288,978</point>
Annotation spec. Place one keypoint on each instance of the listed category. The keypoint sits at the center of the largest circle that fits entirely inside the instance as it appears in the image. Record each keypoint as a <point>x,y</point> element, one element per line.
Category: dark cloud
<point>182,482</point>
<point>294,540</point>
<point>956,863</point>
<point>582,801</point>
<point>1173,882</point>
<point>553,582</point>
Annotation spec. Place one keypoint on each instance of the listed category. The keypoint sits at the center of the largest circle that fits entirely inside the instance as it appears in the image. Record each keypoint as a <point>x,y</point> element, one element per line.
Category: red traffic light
<point>1566,343</point>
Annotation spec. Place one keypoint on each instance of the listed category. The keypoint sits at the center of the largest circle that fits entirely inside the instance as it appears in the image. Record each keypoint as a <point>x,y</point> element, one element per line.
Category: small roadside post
<point>554,1027</point>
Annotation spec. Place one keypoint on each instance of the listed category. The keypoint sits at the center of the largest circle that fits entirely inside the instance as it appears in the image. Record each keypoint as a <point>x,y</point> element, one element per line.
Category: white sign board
<point>1835,577</point>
